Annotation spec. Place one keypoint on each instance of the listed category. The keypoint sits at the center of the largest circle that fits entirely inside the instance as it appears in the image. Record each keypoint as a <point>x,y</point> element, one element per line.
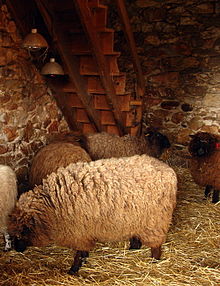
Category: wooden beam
<point>86,20</point>
<point>130,39</point>
<point>18,12</point>
<point>70,61</point>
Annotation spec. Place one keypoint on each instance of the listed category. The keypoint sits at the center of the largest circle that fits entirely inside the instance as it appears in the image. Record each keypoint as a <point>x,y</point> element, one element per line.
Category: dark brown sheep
<point>205,162</point>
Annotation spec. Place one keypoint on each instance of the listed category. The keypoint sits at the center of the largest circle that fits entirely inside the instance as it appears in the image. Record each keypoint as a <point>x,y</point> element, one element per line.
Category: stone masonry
<point>178,44</point>
<point>28,112</point>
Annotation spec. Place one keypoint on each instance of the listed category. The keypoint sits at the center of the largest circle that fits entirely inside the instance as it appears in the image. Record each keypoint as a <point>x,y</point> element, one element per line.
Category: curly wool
<point>205,169</point>
<point>101,201</point>
<point>8,195</point>
<point>104,145</point>
<point>53,156</point>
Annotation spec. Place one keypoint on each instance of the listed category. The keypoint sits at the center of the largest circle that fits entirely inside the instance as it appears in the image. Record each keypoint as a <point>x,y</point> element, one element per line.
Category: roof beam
<point>70,62</point>
<point>86,20</point>
<point>130,39</point>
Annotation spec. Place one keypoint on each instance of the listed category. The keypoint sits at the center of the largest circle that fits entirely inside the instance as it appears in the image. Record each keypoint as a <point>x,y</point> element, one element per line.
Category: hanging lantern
<point>34,41</point>
<point>52,68</point>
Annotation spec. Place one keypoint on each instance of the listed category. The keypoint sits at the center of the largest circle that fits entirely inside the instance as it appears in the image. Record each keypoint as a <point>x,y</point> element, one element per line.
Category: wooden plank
<point>130,39</point>
<point>112,129</point>
<point>107,117</point>
<point>86,18</point>
<point>95,84</point>
<point>88,128</point>
<point>88,65</point>
<point>82,116</point>
<point>71,63</point>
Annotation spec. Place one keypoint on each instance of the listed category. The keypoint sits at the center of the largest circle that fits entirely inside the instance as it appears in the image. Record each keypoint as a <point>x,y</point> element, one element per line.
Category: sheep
<point>104,145</point>
<point>52,156</point>
<point>107,200</point>
<point>204,164</point>
<point>8,197</point>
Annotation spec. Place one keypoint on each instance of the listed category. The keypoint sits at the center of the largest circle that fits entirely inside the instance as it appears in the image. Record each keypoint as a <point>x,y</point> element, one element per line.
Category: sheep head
<point>202,144</point>
<point>20,228</point>
<point>157,139</point>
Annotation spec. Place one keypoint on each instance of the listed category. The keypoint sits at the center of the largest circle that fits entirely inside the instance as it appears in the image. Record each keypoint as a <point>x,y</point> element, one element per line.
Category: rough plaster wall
<point>28,112</point>
<point>179,48</point>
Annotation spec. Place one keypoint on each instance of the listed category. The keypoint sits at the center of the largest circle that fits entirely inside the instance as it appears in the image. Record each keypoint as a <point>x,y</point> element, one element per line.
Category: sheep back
<point>104,145</point>
<point>49,158</point>
<point>8,194</point>
<point>105,200</point>
<point>205,162</point>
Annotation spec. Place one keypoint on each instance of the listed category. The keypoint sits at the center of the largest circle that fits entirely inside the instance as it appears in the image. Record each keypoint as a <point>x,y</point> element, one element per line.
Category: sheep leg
<point>135,243</point>
<point>7,242</point>
<point>208,190</point>
<point>156,252</point>
<point>79,259</point>
<point>215,196</point>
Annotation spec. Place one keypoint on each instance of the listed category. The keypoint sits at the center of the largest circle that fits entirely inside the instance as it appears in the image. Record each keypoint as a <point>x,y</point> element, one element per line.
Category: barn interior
<point>126,65</point>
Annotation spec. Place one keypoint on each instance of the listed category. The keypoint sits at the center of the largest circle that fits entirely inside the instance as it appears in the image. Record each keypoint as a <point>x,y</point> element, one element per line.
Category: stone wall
<point>178,43</point>
<point>28,112</point>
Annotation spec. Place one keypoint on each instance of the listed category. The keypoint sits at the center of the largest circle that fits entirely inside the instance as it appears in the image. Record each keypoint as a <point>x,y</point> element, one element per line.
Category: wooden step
<point>112,129</point>
<point>79,43</point>
<point>88,128</point>
<point>107,117</point>
<point>88,65</point>
<point>94,85</point>
<point>100,102</point>
<point>99,16</point>
<point>81,116</point>
<point>73,100</point>
<point>93,3</point>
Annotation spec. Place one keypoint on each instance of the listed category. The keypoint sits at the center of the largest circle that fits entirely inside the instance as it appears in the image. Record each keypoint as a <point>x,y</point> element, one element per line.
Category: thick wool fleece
<point>104,145</point>
<point>101,201</point>
<point>8,195</point>
<point>53,156</point>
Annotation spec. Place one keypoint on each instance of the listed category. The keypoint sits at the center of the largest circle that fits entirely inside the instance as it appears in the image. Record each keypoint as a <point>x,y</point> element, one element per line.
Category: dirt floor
<point>191,255</point>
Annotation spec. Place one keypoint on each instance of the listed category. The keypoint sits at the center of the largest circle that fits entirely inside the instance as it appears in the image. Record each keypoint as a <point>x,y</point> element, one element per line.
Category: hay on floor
<point>191,255</point>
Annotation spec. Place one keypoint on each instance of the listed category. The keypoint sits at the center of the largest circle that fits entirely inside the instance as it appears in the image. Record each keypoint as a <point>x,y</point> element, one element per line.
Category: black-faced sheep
<point>101,201</point>
<point>8,197</point>
<point>104,145</point>
<point>52,156</point>
<point>205,162</point>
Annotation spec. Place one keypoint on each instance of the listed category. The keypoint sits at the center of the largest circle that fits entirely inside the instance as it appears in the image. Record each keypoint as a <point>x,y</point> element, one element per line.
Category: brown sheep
<point>52,156</point>
<point>205,162</point>
<point>104,145</point>
<point>8,197</point>
<point>101,201</point>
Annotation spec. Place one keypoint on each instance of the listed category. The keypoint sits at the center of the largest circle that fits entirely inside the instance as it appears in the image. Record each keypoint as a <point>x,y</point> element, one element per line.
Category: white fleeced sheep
<point>52,156</point>
<point>101,201</point>
<point>204,148</point>
<point>8,197</point>
<point>104,145</point>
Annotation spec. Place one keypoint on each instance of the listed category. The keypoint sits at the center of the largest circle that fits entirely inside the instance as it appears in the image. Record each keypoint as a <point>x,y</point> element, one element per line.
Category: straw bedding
<point>191,255</point>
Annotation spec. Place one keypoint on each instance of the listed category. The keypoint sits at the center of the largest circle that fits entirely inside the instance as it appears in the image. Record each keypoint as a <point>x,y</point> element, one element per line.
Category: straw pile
<point>191,255</point>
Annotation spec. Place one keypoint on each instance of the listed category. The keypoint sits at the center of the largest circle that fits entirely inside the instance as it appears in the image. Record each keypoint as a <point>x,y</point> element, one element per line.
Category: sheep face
<point>20,231</point>
<point>202,144</point>
<point>157,139</point>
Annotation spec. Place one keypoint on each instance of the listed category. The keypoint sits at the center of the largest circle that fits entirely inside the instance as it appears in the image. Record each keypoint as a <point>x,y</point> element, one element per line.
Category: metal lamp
<point>52,68</point>
<point>34,41</point>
